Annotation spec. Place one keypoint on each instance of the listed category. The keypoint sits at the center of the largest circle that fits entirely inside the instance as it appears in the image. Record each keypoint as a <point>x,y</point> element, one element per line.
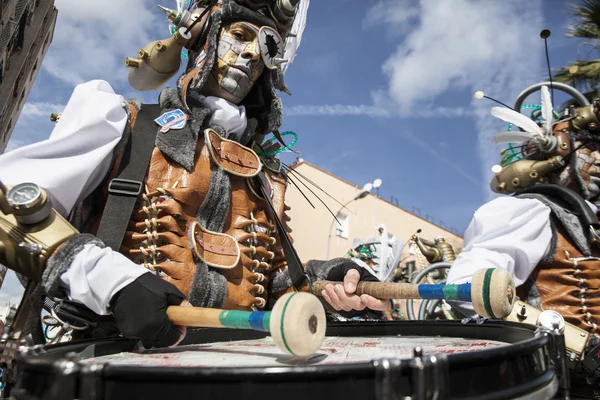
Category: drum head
<point>494,360</point>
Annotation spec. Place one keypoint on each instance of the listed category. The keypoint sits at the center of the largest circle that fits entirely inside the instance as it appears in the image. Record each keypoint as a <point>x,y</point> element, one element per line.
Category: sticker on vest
<point>175,119</point>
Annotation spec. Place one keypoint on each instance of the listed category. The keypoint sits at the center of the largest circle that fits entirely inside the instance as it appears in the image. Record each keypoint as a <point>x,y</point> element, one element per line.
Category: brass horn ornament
<point>522,174</point>
<point>157,62</point>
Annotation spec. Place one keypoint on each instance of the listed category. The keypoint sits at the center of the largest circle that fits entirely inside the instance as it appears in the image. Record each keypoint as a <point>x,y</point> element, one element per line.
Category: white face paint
<point>238,64</point>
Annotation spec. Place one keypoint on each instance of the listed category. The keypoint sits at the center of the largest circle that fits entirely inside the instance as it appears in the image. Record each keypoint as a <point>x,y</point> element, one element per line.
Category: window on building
<point>1,71</point>
<point>35,66</point>
<point>21,31</point>
<point>342,226</point>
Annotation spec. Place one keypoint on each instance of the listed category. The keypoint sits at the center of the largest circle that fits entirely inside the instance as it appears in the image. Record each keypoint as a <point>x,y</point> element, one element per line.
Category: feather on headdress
<point>532,131</point>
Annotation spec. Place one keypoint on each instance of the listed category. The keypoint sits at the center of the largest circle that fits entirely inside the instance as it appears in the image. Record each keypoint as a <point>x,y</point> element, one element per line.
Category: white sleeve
<point>97,274</point>
<point>508,232</point>
<point>72,162</point>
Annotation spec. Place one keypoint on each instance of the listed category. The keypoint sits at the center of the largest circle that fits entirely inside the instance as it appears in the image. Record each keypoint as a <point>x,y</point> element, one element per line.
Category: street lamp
<point>376,184</point>
<point>364,192</point>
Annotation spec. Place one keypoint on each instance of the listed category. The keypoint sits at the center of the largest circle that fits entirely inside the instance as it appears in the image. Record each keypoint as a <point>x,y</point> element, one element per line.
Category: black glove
<point>140,310</point>
<point>335,270</point>
<point>338,272</point>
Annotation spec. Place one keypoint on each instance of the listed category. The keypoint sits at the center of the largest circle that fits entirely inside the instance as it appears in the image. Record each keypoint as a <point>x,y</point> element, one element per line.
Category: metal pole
<point>331,227</point>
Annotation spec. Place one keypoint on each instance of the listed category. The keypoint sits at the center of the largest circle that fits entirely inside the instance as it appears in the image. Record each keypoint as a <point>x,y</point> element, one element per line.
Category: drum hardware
<point>65,373</point>
<point>576,338</point>
<point>386,374</point>
<point>552,324</point>
<point>429,377</point>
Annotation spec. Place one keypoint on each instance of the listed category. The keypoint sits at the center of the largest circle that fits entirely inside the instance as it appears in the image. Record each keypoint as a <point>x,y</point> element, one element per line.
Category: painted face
<point>238,64</point>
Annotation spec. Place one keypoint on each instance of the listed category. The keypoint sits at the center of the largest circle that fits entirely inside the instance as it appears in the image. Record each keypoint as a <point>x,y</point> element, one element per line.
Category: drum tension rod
<point>429,375</point>
<point>552,324</point>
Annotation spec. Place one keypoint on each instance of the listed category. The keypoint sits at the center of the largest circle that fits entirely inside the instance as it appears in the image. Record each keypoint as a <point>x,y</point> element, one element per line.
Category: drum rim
<point>533,349</point>
<point>46,356</point>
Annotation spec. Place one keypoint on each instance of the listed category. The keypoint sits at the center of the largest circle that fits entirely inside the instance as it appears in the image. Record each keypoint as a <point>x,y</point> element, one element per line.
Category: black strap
<point>294,264</point>
<point>124,190</point>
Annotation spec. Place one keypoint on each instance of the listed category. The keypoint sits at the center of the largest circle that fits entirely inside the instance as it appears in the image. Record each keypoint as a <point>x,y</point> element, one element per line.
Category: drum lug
<point>552,324</point>
<point>429,377</point>
<point>65,375</point>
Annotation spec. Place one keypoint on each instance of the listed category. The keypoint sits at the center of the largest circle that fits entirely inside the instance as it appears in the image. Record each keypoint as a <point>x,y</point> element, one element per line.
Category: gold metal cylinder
<point>132,62</point>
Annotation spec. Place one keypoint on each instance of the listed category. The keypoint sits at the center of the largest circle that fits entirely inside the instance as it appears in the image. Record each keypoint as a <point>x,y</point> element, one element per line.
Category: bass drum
<point>359,360</point>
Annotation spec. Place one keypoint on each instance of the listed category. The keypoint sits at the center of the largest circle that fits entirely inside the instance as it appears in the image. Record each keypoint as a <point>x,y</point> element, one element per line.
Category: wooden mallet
<point>492,291</point>
<point>296,323</point>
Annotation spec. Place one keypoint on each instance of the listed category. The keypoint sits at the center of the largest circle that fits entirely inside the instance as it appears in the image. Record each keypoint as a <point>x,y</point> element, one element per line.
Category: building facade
<point>317,235</point>
<point>26,31</point>
<point>8,349</point>
<point>3,271</point>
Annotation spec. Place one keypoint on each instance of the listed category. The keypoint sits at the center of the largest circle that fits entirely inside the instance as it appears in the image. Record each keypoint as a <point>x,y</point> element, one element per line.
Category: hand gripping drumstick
<point>492,291</point>
<point>296,323</point>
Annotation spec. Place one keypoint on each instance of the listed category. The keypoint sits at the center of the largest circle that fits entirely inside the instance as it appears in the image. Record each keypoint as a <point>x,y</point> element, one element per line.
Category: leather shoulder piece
<point>232,156</point>
<point>217,250</point>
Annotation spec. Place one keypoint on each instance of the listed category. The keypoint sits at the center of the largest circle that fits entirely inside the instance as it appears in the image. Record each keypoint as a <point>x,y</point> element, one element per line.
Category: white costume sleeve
<point>96,275</point>
<point>72,162</point>
<point>508,232</point>
<point>69,165</point>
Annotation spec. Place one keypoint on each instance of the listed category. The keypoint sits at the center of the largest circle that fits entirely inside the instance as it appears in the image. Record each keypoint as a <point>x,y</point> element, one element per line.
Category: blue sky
<point>381,88</point>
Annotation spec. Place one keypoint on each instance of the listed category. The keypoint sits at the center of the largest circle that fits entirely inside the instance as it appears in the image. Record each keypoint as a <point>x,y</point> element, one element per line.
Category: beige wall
<point>312,227</point>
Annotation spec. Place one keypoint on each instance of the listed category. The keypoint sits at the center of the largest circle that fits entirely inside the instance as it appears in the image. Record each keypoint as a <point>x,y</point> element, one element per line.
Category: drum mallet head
<point>493,293</point>
<point>298,324</point>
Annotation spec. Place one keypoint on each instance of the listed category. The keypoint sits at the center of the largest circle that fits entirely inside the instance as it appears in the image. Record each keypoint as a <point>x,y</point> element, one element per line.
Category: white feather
<point>513,137</point>
<point>547,110</point>
<point>292,43</point>
<point>516,118</point>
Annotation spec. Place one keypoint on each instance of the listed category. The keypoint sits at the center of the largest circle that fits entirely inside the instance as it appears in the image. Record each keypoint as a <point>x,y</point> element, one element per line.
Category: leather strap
<point>297,274</point>
<point>124,190</point>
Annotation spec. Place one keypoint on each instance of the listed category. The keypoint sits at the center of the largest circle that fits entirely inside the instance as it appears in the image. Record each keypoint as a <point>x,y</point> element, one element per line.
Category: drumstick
<point>492,291</point>
<point>296,323</point>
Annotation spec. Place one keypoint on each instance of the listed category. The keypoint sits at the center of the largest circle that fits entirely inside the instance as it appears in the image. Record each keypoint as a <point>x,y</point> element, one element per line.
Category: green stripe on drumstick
<point>491,291</point>
<point>297,322</point>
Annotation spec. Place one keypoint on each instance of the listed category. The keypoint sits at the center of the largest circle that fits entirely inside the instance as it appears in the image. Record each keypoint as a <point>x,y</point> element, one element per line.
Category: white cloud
<point>40,109</point>
<point>389,13</point>
<point>335,110</point>
<point>463,45</point>
<point>92,38</point>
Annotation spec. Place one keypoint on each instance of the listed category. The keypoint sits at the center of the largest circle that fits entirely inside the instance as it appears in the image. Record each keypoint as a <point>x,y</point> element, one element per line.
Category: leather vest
<point>570,284</point>
<point>164,235</point>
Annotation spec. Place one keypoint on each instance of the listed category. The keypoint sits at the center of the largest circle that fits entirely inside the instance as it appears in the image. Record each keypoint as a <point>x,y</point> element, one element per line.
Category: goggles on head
<point>271,47</point>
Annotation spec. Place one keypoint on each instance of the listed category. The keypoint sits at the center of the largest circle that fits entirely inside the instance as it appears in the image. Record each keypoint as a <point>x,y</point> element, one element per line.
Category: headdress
<point>552,147</point>
<point>196,26</point>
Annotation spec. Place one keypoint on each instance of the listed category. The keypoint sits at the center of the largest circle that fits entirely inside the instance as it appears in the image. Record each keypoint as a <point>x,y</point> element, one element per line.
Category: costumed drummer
<point>546,233</point>
<point>209,222</point>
